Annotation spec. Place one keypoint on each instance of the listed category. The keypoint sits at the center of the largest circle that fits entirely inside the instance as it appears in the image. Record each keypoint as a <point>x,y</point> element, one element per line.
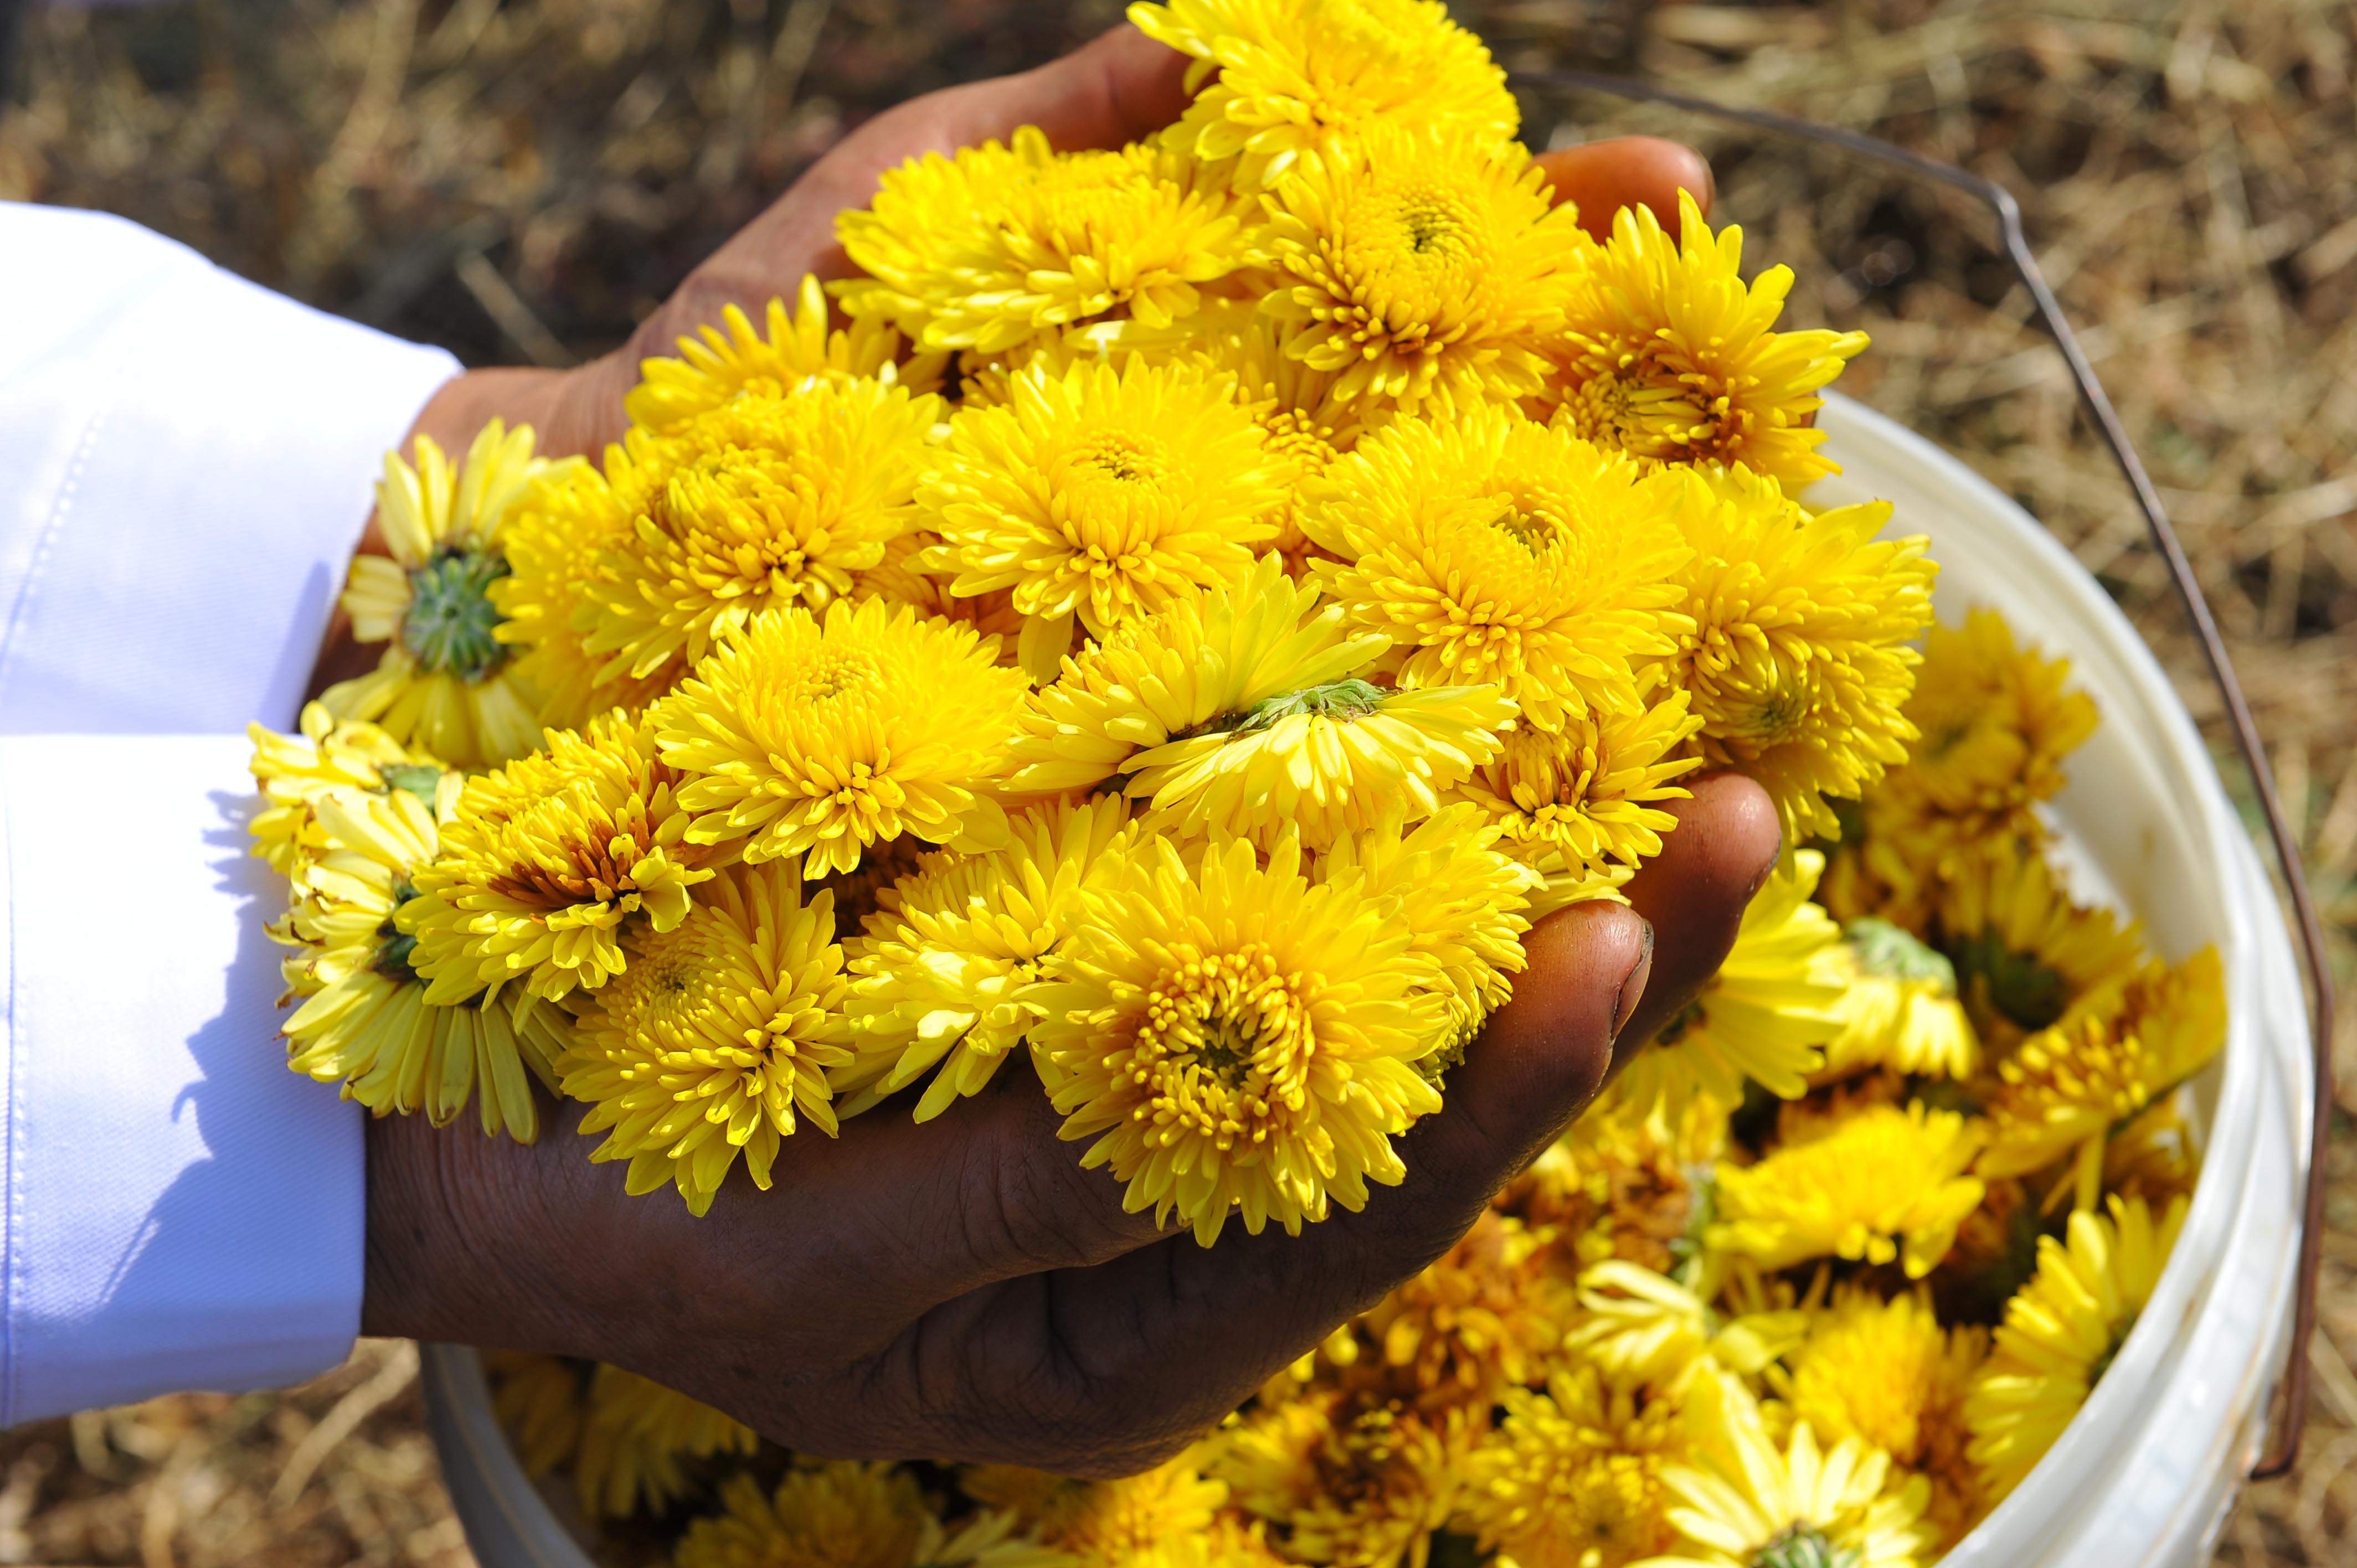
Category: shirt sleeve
<point>184,467</point>
<point>176,1209</point>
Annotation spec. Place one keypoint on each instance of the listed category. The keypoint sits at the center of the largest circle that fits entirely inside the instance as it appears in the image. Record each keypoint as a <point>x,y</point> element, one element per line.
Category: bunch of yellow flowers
<point>1817,1282</point>
<point>1206,601</point>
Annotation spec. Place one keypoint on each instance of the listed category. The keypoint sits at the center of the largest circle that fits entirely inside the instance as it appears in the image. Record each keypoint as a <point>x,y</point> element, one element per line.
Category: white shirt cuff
<point>178,1210</point>
<point>185,462</point>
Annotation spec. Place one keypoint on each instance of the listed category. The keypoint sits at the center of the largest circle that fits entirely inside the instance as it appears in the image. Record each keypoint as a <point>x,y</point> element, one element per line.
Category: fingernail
<point>1632,989</point>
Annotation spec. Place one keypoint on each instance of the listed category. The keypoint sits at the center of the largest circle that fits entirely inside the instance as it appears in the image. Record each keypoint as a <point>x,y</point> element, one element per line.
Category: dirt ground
<point>523,179</point>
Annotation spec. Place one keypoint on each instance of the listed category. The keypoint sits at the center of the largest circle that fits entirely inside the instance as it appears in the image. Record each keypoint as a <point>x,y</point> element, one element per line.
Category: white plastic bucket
<point>2143,1476</point>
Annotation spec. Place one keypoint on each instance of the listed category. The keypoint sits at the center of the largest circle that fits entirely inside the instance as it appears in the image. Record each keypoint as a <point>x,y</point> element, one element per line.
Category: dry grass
<point>522,180</point>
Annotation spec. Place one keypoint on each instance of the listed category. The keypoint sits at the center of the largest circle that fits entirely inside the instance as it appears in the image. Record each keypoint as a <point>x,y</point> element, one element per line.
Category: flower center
<point>1804,1546</point>
<point>1224,1041</point>
<point>835,673</point>
<point>451,624</point>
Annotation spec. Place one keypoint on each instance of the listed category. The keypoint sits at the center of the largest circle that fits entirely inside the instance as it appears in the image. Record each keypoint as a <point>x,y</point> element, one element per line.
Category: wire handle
<point>2284,1451</point>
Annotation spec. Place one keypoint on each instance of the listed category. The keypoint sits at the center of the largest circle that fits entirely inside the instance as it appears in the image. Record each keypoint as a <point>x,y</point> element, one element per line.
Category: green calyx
<point>398,947</point>
<point>2015,984</point>
<point>1886,951</point>
<point>1344,700</point>
<point>1802,1546</point>
<point>413,779</point>
<point>451,626</point>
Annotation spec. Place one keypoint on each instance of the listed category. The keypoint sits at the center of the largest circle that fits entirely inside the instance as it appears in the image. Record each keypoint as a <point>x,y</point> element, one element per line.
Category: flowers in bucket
<point>1210,601</point>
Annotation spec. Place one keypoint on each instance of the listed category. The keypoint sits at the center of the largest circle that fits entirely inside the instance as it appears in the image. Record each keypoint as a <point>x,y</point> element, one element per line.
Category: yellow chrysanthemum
<point>1763,1016</point>
<point>1238,1041</point>
<point>1349,1486</point>
<point>292,771</point>
<point>799,349</point>
<point>1879,1184</point>
<point>1668,354</point>
<point>718,1035</point>
<point>445,680</point>
<point>1888,1375</point>
<point>1572,1475</point>
<point>1749,1504</point>
<point>2025,953</point>
<point>1795,643</point>
<point>1308,422</point>
<point>365,1022</point>
<point>819,739</point>
<point>1898,1005</point>
<point>1203,660</point>
<point>1485,1316</point>
<point>1582,799</point>
<point>637,1440</point>
<point>1626,1182</point>
<point>2061,1333</point>
<point>1420,266</point>
<point>556,540</point>
<point>1004,243</point>
<point>1461,903</point>
<point>1495,551</point>
<point>2064,1089</point>
<point>1099,494</point>
<point>1275,78</point>
<point>1154,1520</point>
<point>768,502</point>
<point>543,1403</point>
<point>1996,723</point>
<point>1644,1327</point>
<point>950,969</point>
<point>848,1514</point>
<point>544,863</point>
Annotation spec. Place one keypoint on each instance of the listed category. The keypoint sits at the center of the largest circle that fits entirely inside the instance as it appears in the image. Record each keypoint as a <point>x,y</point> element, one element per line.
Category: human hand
<point>1118,89</point>
<point>964,1290</point>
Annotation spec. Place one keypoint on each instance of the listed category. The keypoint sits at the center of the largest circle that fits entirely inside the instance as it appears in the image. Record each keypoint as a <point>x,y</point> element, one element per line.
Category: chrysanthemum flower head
<point>1483,1318</point>
<point>850,1514</point>
<point>1419,266</point>
<point>716,1037</point>
<point>949,971</point>
<point>1764,1017</point>
<point>1099,495</point>
<point>1645,1328</point>
<point>1207,660</point>
<point>556,542</point>
<point>1899,1007</point>
<point>1879,1184</point>
<point>1341,1480</point>
<point>1275,78</point>
<point>1572,1476</point>
<point>1626,1182</point>
<point>1154,1519</point>
<point>1003,244</point>
<point>2061,1333</point>
<point>1793,644</point>
<point>1461,902</point>
<point>2026,952</point>
<point>1494,551</point>
<point>1886,1373</point>
<point>770,501</point>
<point>1237,1040</point>
<point>545,861</point>
<point>1584,799</point>
<point>1749,1503</point>
<point>1668,354</point>
<point>365,1022</point>
<point>637,1439</point>
<point>799,349</point>
<point>2064,1089</point>
<point>820,737</point>
<point>292,770</point>
<point>445,680</point>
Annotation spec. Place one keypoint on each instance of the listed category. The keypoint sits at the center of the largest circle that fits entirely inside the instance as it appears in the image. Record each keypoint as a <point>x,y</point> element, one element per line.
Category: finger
<point>1602,177</point>
<point>1695,892</point>
<point>1120,1364</point>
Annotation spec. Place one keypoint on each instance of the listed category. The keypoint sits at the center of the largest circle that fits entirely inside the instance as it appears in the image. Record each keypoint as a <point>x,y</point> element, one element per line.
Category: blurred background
<point>522,180</point>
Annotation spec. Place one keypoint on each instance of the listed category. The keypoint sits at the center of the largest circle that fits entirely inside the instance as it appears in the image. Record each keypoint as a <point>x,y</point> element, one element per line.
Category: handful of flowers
<point>1210,599</point>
